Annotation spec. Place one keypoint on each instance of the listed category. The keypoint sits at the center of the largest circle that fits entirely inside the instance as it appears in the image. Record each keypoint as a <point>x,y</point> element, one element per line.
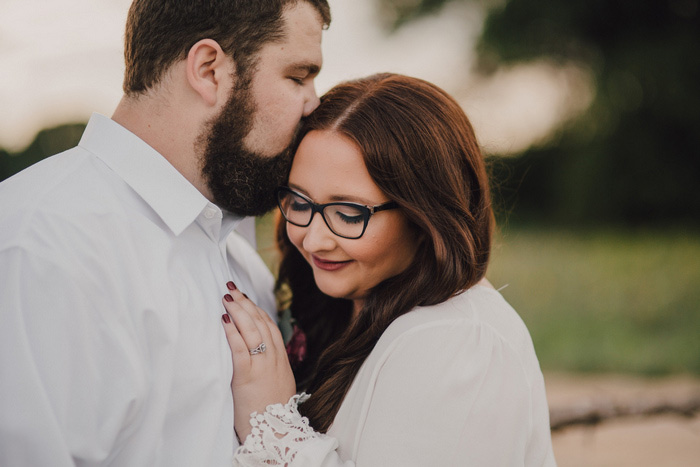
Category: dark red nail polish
<point>228,298</point>
<point>226,318</point>
<point>231,285</point>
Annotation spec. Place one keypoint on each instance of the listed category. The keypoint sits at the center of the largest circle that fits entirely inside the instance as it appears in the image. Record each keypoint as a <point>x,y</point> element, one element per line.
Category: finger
<point>247,325</point>
<point>239,349</point>
<point>268,318</point>
<point>267,327</point>
<point>275,334</point>
<point>243,300</point>
<point>255,311</point>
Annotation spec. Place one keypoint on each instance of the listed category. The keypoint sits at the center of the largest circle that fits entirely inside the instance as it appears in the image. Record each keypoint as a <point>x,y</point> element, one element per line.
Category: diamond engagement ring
<point>259,349</point>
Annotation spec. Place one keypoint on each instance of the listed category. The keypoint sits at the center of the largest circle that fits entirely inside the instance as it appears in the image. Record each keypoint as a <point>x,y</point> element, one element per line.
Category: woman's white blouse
<point>452,384</point>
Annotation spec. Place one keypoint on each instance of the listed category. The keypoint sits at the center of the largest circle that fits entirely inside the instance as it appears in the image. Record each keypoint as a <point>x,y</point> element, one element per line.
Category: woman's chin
<point>332,290</point>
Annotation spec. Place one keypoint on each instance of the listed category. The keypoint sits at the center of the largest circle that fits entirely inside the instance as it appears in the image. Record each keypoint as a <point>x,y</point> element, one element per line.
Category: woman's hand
<point>261,378</point>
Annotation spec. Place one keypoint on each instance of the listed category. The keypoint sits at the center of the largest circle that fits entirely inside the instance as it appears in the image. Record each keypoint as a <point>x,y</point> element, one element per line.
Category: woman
<point>413,359</point>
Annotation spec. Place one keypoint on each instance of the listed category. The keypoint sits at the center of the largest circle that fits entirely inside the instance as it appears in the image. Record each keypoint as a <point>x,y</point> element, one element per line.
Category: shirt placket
<point>218,230</point>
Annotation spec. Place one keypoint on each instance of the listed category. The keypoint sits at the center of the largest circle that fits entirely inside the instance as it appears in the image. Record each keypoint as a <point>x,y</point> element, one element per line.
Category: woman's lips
<point>327,265</point>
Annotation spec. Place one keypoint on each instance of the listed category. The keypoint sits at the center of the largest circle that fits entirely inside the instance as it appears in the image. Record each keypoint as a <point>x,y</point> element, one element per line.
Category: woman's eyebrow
<point>351,199</point>
<point>337,198</point>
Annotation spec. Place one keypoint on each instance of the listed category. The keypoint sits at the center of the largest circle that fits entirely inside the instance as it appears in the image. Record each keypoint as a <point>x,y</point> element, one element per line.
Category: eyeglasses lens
<point>346,221</point>
<point>295,208</point>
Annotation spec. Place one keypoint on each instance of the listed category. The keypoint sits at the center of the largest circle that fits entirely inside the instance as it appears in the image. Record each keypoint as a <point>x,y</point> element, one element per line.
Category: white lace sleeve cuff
<point>279,435</point>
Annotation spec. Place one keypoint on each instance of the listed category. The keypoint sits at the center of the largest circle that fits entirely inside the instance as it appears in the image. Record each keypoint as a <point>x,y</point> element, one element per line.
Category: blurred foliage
<point>634,156</point>
<point>47,142</point>
<point>396,13</point>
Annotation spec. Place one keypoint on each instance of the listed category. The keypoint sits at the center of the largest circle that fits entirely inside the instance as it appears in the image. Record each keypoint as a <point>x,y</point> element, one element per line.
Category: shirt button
<point>210,213</point>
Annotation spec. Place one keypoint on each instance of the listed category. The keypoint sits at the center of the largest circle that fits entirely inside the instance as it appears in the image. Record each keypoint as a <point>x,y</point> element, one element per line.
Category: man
<point>114,255</point>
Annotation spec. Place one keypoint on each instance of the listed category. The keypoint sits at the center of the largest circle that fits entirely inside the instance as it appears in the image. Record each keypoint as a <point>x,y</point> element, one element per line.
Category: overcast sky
<point>60,60</point>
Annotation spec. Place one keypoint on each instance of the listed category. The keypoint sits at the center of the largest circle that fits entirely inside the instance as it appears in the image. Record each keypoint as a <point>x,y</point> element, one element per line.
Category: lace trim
<point>276,435</point>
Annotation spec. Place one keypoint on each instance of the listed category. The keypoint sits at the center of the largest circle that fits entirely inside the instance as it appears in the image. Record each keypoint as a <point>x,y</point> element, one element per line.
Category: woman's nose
<point>318,236</point>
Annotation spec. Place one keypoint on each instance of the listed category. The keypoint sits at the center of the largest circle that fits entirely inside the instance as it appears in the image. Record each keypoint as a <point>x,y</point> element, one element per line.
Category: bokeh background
<point>588,112</point>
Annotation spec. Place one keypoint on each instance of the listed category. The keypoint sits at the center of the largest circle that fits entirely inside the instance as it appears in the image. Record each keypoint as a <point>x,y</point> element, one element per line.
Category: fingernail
<point>226,318</point>
<point>231,285</point>
<point>228,298</point>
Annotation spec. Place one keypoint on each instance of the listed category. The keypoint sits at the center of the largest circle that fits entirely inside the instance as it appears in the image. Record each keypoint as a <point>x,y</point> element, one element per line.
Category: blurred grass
<point>605,300</point>
<point>599,300</point>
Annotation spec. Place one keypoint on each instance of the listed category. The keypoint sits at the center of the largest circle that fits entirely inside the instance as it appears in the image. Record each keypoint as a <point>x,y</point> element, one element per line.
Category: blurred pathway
<point>655,441</point>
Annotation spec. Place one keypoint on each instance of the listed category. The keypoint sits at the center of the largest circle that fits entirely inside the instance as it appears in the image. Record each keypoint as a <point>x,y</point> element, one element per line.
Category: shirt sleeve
<point>69,376</point>
<point>448,394</point>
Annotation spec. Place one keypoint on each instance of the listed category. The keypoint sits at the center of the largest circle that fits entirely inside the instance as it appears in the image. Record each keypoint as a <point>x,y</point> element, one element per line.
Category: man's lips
<point>327,265</point>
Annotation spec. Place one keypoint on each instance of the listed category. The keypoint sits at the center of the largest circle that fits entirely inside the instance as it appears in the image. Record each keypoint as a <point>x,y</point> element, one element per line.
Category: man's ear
<point>209,70</point>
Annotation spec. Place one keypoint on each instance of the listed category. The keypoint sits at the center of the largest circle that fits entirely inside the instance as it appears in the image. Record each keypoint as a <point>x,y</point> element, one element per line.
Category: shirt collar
<point>147,172</point>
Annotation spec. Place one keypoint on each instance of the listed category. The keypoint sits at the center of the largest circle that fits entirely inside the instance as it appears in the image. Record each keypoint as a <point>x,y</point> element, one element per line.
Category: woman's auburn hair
<point>420,149</point>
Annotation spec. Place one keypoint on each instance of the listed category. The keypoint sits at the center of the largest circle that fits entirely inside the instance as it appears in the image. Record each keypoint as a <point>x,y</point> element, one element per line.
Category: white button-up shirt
<point>112,269</point>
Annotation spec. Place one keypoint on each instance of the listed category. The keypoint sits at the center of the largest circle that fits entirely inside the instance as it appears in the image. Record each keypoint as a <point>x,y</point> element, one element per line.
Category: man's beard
<point>241,181</point>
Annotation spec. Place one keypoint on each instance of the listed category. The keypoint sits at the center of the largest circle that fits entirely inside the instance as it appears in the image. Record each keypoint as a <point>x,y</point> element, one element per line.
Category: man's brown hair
<point>161,32</point>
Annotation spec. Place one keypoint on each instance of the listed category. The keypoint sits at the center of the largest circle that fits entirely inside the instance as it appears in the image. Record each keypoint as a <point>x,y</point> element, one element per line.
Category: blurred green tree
<point>46,143</point>
<point>633,157</point>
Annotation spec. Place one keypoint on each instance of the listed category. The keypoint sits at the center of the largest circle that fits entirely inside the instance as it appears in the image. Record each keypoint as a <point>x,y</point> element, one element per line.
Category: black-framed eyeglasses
<point>347,220</point>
